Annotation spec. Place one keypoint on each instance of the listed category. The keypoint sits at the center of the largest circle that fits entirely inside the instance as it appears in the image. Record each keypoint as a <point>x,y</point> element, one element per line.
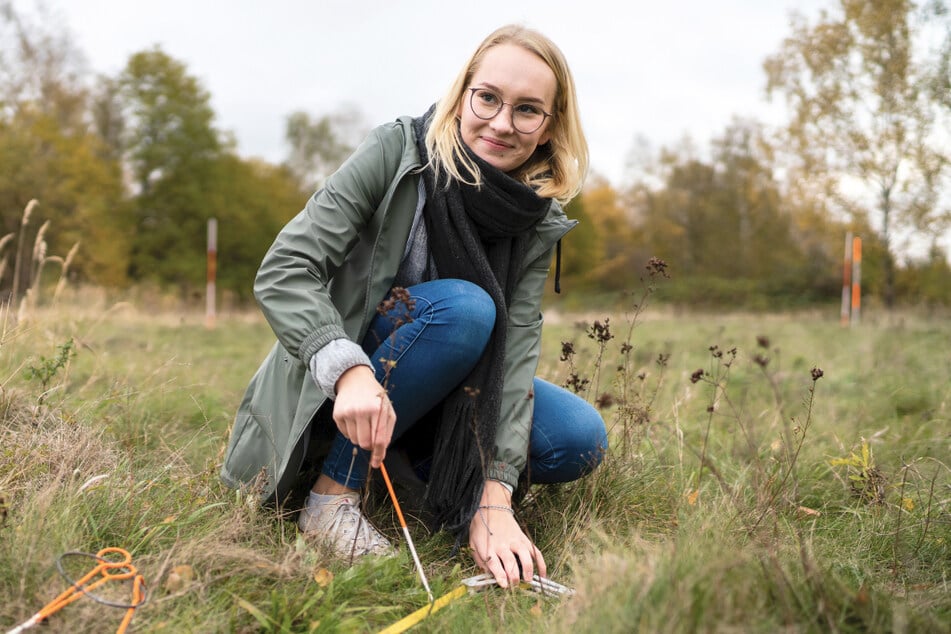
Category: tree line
<point>130,167</point>
<point>760,218</point>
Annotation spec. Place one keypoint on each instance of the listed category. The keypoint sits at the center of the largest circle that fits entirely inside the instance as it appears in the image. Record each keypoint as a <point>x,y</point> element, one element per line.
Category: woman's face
<point>518,77</point>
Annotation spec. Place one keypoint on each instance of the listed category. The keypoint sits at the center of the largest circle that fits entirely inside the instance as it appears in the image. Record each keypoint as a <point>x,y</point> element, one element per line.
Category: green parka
<point>322,280</point>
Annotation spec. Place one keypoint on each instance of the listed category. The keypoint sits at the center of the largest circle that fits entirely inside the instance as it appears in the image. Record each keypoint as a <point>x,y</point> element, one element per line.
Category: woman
<point>407,294</point>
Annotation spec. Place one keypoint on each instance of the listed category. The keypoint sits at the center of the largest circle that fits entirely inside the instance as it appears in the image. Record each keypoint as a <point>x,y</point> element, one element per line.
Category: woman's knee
<point>589,435</point>
<point>466,304</point>
<point>569,437</point>
<point>469,298</point>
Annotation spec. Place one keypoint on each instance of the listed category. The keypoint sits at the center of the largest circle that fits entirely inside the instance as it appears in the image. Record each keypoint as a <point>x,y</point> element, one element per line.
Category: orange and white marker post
<point>852,280</point>
<point>856,279</point>
<point>846,311</point>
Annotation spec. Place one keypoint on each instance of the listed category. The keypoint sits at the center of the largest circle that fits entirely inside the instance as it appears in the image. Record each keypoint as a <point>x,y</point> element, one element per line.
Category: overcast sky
<point>652,68</point>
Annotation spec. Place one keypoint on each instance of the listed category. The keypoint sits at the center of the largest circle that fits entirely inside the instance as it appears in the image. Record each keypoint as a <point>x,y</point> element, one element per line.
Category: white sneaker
<point>341,525</point>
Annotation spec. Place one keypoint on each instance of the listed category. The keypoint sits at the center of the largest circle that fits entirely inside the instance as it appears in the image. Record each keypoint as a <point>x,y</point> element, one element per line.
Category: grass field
<point>767,473</point>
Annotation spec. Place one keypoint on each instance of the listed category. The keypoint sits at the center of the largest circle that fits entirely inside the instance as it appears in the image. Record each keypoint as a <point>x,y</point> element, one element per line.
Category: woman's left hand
<point>498,544</point>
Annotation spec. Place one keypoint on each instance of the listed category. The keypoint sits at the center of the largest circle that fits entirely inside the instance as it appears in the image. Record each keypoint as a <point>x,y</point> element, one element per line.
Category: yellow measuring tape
<point>407,622</point>
<point>538,584</point>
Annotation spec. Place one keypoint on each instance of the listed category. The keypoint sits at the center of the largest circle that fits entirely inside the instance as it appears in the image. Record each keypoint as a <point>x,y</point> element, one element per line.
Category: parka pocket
<point>252,452</point>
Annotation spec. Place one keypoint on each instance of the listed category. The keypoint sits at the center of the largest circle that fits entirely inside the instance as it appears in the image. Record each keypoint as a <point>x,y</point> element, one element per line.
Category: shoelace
<point>349,521</point>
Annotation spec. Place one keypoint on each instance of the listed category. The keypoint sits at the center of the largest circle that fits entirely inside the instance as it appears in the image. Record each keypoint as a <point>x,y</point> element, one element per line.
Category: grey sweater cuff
<point>332,360</point>
<point>504,473</point>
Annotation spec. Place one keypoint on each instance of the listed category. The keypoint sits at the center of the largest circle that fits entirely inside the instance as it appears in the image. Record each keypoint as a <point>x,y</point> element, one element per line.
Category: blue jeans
<point>435,346</point>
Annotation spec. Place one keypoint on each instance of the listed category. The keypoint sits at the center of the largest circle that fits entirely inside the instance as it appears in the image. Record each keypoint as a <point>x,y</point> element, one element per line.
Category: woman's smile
<point>516,76</point>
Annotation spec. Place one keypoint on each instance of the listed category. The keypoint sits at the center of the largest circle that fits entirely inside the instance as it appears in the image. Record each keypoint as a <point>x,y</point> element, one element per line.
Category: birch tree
<point>864,118</point>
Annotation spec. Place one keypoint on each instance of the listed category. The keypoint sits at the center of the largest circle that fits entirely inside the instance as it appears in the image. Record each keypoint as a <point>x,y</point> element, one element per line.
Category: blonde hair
<point>555,170</point>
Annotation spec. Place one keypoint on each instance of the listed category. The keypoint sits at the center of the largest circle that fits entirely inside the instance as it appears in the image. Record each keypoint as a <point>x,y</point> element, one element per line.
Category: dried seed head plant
<point>28,267</point>
<point>606,497</point>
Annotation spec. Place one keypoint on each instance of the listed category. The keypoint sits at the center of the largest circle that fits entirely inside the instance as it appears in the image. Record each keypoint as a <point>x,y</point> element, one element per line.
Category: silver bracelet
<point>498,507</point>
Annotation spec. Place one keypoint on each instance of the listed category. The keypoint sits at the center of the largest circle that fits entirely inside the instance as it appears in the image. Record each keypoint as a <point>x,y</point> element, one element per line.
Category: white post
<point>212,269</point>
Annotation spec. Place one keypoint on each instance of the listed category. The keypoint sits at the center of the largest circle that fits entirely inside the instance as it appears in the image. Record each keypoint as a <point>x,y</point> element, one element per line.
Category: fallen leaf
<point>323,577</point>
<point>692,497</point>
<point>170,519</point>
<point>805,510</point>
<point>861,597</point>
<point>179,578</point>
<point>536,609</point>
<point>174,582</point>
<point>908,504</point>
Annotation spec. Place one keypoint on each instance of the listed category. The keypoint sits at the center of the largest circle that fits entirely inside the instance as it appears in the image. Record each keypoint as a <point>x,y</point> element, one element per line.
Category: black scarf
<point>478,234</point>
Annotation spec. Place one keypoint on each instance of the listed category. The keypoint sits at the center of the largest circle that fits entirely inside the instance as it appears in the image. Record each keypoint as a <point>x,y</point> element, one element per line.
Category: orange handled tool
<point>108,568</point>
<point>409,539</point>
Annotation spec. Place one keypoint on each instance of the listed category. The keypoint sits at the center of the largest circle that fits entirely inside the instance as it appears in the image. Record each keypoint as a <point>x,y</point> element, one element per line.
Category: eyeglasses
<point>526,117</point>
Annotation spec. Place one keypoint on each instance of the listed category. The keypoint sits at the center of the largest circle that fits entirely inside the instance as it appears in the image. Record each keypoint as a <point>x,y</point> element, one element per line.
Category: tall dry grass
<point>734,502</point>
<point>29,264</point>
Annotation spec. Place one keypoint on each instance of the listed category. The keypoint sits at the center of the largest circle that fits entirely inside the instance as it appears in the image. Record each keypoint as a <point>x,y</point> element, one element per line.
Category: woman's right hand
<point>363,412</point>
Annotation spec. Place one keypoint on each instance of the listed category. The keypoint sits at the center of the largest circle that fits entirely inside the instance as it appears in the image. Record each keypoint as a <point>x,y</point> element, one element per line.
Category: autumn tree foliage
<point>606,248</point>
<point>724,226</point>
<point>131,167</point>
<point>868,121</point>
<point>49,153</point>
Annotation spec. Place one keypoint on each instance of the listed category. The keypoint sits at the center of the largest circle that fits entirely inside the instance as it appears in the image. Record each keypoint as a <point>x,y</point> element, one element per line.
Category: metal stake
<point>409,540</point>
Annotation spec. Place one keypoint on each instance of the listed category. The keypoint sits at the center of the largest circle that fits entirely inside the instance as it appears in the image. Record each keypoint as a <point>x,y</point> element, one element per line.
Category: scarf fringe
<point>453,496</point>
